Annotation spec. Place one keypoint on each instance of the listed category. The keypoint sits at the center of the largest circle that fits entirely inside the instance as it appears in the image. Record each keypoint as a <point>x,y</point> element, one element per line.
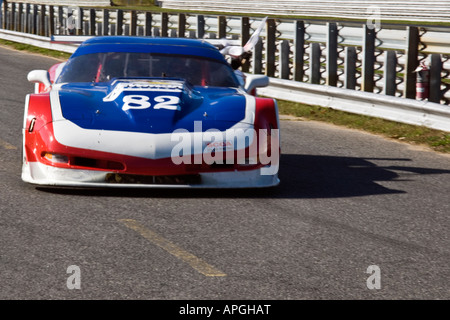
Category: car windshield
<point>103,67</point>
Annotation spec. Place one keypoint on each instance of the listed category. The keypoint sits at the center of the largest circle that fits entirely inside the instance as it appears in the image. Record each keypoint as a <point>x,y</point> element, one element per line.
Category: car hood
<point>151,106</point>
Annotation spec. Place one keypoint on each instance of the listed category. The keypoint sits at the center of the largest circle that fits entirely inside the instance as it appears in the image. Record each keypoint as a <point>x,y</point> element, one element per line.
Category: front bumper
<point>41,174</point>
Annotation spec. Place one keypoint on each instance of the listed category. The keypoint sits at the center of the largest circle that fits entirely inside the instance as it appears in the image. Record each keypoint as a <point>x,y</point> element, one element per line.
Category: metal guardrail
<point>430,10</point>
<point>93,3</point>
<point>421,113</point>
<point>338,55</point>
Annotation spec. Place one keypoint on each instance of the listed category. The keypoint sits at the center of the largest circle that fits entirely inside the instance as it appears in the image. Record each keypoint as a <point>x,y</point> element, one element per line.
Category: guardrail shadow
<point>302,176</point>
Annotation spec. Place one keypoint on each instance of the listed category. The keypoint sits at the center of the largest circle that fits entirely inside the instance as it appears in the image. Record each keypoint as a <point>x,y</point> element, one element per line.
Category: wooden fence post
<point>245,36</point>
<point>61,20</point>
<point>222,27</point>
<point>12,19</point>
<point>390,73</point>
<point>351,58</point>
<point>133,23</point>
<point>34,19</point>
<point>51,22</point>
<point>19,17</point>
<point>258,58</point>
<point>80,21</point>
<point>368,67</point>
<point>435,78</point>
<point>105,22</point>
<point>42,20</point>
<point>181,25</point>
<point>119,23</point>
<point>26,19</point>
<point>285,51</point>
<point>299,51</point>
<point>164,24</point>
<point>92,16</point>
<point>4,15</point>
<point>412,54</point>
<point>316,53</point>
<point>332,54</point>
<point>148,24</point>
<point>270,48</point>
<point>245,30</point>
<point>200,26</point>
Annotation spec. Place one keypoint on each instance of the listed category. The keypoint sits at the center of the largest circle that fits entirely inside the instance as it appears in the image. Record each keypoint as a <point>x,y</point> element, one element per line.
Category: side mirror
<point>255,81</point>
<point>39,76</point>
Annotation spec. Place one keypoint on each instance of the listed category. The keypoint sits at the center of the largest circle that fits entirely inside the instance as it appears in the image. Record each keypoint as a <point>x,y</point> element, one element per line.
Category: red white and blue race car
<point>149,112</point>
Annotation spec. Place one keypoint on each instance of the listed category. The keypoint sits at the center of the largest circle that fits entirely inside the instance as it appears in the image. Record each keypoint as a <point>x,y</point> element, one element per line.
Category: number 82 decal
<point>142,102</point>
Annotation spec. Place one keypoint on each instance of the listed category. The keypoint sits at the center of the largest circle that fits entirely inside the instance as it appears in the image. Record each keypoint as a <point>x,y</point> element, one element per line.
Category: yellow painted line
<point>195,262</point>
<point>6,145</point>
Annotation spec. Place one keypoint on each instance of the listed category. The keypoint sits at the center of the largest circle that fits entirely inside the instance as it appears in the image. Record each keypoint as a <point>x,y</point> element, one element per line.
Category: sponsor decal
<point>219,146</point>
<point>144,85</point>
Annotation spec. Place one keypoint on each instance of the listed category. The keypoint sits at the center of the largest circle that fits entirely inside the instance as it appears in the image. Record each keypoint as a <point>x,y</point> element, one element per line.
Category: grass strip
<point>33,49</point>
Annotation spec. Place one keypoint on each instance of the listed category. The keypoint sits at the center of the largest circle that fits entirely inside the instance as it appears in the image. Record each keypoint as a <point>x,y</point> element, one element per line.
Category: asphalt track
<point>347,201</point>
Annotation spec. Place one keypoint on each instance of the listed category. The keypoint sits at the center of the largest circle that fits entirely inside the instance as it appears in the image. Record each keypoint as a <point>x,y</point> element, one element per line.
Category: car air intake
<point>159,180</point>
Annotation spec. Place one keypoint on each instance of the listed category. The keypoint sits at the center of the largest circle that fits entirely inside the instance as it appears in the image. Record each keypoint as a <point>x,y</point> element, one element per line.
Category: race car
<point>147,112</point>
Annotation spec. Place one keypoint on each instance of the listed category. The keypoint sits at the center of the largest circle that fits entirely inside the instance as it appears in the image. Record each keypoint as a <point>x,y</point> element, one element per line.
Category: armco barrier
<point>410,10</point>
<point>36,40</point>
<point>422,113</point>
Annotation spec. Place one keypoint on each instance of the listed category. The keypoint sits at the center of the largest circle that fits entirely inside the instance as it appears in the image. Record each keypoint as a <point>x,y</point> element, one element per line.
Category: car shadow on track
<point>302,176</point>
